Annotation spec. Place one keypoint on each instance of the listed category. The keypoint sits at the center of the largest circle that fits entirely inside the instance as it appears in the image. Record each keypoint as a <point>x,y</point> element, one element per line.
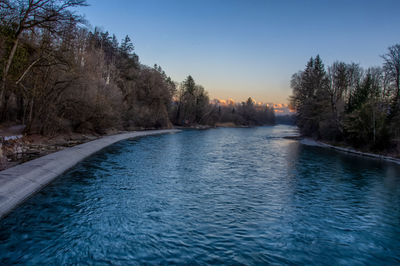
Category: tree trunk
<point>7,69</point>
<point>20,107</point>
<point>4,107</point>
<point>398,88</point>
<point>31,112</point>
<point>178,114</point>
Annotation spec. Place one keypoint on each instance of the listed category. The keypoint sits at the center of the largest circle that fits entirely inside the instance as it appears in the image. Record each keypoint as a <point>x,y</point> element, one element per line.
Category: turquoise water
<point>218,196</point>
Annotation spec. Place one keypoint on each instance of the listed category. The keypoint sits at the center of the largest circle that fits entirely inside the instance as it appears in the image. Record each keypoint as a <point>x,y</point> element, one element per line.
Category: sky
<point>248,48</point>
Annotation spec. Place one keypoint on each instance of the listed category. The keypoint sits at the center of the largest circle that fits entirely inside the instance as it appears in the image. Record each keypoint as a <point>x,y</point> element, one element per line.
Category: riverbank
<point>22,181</point>
<point>17,148</point>
<point>21,148</point>
<point>312,142</point>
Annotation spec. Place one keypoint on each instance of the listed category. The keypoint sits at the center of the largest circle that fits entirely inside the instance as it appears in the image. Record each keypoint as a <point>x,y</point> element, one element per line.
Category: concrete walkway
<point>311,142</point>
<point>22,181</point>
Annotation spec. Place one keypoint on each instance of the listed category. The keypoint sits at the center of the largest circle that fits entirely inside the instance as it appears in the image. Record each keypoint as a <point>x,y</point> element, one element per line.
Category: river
<point>217,196</point>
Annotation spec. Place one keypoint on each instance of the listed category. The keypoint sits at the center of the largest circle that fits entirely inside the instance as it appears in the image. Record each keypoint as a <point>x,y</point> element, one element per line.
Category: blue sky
<point>237,49</point>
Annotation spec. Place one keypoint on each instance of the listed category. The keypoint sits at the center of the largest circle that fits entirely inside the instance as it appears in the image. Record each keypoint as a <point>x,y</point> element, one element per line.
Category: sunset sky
<point>237,49</point>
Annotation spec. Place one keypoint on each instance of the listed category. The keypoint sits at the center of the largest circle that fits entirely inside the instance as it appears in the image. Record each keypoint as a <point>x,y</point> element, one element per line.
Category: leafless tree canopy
<point>57,76</point>
<point>347,103</point>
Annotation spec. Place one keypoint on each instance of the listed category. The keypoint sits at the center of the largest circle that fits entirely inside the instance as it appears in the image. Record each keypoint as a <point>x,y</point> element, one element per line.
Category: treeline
<point>192,106</point>
<point>57,76</point>
<point>245,114</point>
<point>346,103</point>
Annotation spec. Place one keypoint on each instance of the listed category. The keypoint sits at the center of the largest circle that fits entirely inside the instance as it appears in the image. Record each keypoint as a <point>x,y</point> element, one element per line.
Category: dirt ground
<point>16,147</point>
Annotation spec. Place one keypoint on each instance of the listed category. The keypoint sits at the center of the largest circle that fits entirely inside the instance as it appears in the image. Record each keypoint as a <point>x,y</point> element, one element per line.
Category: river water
<point>218,196</point>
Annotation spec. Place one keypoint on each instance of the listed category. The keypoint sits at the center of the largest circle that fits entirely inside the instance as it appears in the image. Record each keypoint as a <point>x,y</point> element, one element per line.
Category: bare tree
<point>392,68</point>
<point>338,84</point>
<point>28,15</point>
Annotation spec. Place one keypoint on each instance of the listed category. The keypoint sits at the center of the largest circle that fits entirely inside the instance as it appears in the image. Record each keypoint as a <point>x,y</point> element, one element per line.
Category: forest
<point>346,104</point>
<point>59,76</point>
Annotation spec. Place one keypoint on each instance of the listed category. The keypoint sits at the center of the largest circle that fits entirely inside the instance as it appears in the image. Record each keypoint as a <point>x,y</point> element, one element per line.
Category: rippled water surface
<point>219,196</point>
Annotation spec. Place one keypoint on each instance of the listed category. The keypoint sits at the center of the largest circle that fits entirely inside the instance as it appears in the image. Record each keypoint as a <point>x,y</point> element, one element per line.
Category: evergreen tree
<point>189,85</point>
<point>126,47</point>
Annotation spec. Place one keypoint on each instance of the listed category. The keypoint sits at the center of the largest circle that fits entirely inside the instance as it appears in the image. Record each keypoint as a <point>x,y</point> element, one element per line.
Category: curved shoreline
<point>22,181</point>
<point>311,142</point>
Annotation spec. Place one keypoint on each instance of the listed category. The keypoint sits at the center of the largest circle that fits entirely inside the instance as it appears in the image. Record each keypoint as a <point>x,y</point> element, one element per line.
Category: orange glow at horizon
<point>279,108</point>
